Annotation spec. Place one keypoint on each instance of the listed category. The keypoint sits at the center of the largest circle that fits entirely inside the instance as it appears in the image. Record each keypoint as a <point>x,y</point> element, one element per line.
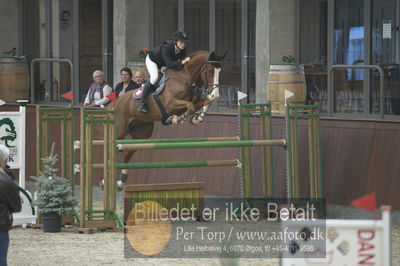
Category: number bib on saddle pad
<point>137,94</point>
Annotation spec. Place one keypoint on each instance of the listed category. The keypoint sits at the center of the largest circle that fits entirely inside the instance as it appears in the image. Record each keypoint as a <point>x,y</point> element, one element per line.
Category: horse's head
<point>211,75</point>
<point>210,67</point>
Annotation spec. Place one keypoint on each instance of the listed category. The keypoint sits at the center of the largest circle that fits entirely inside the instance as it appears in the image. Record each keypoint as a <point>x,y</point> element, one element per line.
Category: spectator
<point>9,202</point>
<point>126,84</point>
<point>98,91</point>
<point>139,77</point>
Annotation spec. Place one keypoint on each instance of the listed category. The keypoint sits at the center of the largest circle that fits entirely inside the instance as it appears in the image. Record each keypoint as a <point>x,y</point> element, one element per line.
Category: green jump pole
<point>177,164</point>
<point>191,145</point>
<point>134,141</point>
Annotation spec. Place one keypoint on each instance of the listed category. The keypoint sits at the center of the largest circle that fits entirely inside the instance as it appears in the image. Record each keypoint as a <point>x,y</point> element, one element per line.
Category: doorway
<point>80,31</point>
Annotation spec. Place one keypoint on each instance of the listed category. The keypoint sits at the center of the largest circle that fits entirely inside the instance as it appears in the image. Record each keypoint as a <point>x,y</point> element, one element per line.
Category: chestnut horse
<point>186,91</point>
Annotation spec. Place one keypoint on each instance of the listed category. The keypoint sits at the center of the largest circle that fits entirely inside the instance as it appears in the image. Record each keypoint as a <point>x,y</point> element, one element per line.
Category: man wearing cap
<point>171,54</point>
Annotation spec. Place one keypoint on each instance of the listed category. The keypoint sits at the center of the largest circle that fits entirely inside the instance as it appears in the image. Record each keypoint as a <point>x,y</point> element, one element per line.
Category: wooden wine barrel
<point>286,77</point>
<point>14,79</point>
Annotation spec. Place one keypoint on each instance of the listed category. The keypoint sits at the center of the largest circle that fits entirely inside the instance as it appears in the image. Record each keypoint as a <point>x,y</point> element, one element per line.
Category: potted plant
<point>54,195</point>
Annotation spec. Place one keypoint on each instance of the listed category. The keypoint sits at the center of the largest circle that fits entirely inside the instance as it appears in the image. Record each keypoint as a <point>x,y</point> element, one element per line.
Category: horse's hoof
<point>120,185</point>
<point>197,119</point>
<point>172,120</point>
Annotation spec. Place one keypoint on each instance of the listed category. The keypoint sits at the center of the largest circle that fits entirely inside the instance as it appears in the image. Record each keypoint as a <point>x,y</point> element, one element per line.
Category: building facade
<point>108,35</point>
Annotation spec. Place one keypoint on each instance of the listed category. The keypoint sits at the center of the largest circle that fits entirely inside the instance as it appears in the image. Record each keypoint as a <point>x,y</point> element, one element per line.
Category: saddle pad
<point>137,94</point>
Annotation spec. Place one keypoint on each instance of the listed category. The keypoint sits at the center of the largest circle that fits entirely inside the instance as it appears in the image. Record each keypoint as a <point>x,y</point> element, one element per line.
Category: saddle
<point>160,85</point>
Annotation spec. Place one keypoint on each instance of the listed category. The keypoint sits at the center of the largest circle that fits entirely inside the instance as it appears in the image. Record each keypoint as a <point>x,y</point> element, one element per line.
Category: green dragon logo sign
<point>7,131</point>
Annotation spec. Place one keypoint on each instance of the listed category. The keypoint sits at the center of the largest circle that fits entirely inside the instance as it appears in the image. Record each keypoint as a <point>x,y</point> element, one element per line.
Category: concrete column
<point>137,28</point>
<point>282,29</point>
<point>8,25</point>
<point>262,48</point>
<point>119,39</point>
<point>275,34</point>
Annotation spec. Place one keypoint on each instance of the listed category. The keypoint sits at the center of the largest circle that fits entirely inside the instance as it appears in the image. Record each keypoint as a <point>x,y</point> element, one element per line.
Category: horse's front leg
<point>203,106</point>
<point>178,105</point>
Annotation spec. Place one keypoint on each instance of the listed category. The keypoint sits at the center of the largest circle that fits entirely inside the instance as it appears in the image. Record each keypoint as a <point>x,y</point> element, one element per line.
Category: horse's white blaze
<point>215,92</point>
<point>124,171</point>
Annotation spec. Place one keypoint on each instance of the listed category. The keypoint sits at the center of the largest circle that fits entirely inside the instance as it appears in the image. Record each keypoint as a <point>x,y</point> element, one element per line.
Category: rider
<point>171,54</point>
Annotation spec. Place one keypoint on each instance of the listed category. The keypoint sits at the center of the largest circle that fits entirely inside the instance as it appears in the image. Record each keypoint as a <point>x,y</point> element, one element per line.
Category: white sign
<point>12,133</point>
<point>10,126</point>
<point>387,29</point>
<point>240,96</point>
<point>347,242</point>
<point>288,94</point>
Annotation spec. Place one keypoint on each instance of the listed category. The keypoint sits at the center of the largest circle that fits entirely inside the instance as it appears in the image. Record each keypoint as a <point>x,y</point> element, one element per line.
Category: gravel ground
<point>33,247</point>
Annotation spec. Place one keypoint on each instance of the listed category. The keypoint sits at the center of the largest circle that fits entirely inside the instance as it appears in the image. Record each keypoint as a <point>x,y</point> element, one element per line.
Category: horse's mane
<point>199,53</point>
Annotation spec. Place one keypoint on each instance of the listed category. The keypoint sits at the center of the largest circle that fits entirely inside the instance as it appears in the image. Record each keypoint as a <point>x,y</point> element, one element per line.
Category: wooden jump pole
<point>192,145</point>
<point>294,113</point>
<point>248,112</point>
<point>311,113</point>
<point>316,184</point>
<point>64,116</point>
<point>268,169</point>
<point>246,178</point>
<point>134,141</point>
<point>107,217</point>
<point>245,143</point>
<point>180,164</point>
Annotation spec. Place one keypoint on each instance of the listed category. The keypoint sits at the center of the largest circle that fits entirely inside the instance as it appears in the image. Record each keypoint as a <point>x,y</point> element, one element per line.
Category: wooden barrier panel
<point>166,195</point>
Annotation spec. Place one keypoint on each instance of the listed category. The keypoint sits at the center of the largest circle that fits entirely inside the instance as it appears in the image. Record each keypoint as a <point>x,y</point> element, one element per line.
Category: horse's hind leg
<point>136,130</point>
<point>124,173</point>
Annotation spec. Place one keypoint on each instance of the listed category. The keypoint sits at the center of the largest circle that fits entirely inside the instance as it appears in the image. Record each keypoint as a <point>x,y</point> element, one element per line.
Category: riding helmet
<point>180,36</point>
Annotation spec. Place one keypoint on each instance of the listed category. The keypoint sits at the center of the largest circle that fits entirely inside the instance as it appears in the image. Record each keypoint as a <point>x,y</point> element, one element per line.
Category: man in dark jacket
<point>9,202</point>
<point>171,54</point>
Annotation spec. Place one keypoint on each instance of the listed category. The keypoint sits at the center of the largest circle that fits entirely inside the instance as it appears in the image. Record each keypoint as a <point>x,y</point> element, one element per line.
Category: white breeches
<point>153,70</point>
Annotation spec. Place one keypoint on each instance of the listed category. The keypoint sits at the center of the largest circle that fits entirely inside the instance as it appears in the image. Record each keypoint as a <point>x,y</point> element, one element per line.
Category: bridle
<point>201,89</point>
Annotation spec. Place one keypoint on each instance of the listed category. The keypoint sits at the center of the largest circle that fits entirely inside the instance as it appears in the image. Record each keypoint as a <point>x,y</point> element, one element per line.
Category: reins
<point>190,83</point>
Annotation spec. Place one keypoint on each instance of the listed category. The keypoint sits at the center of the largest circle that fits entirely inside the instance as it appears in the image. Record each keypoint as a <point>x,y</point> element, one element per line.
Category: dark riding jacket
<point>9,201</point>
<point>131,86</point>
<point>164,55</point>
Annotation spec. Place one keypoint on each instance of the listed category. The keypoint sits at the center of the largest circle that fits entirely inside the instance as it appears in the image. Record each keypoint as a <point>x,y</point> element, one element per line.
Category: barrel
<point>14,79</point>
<point>286,77</point>
<point>138,66</point>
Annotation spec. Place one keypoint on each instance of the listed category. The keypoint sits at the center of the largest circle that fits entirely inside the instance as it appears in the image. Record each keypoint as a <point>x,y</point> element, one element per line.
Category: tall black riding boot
<point>147,89</point>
